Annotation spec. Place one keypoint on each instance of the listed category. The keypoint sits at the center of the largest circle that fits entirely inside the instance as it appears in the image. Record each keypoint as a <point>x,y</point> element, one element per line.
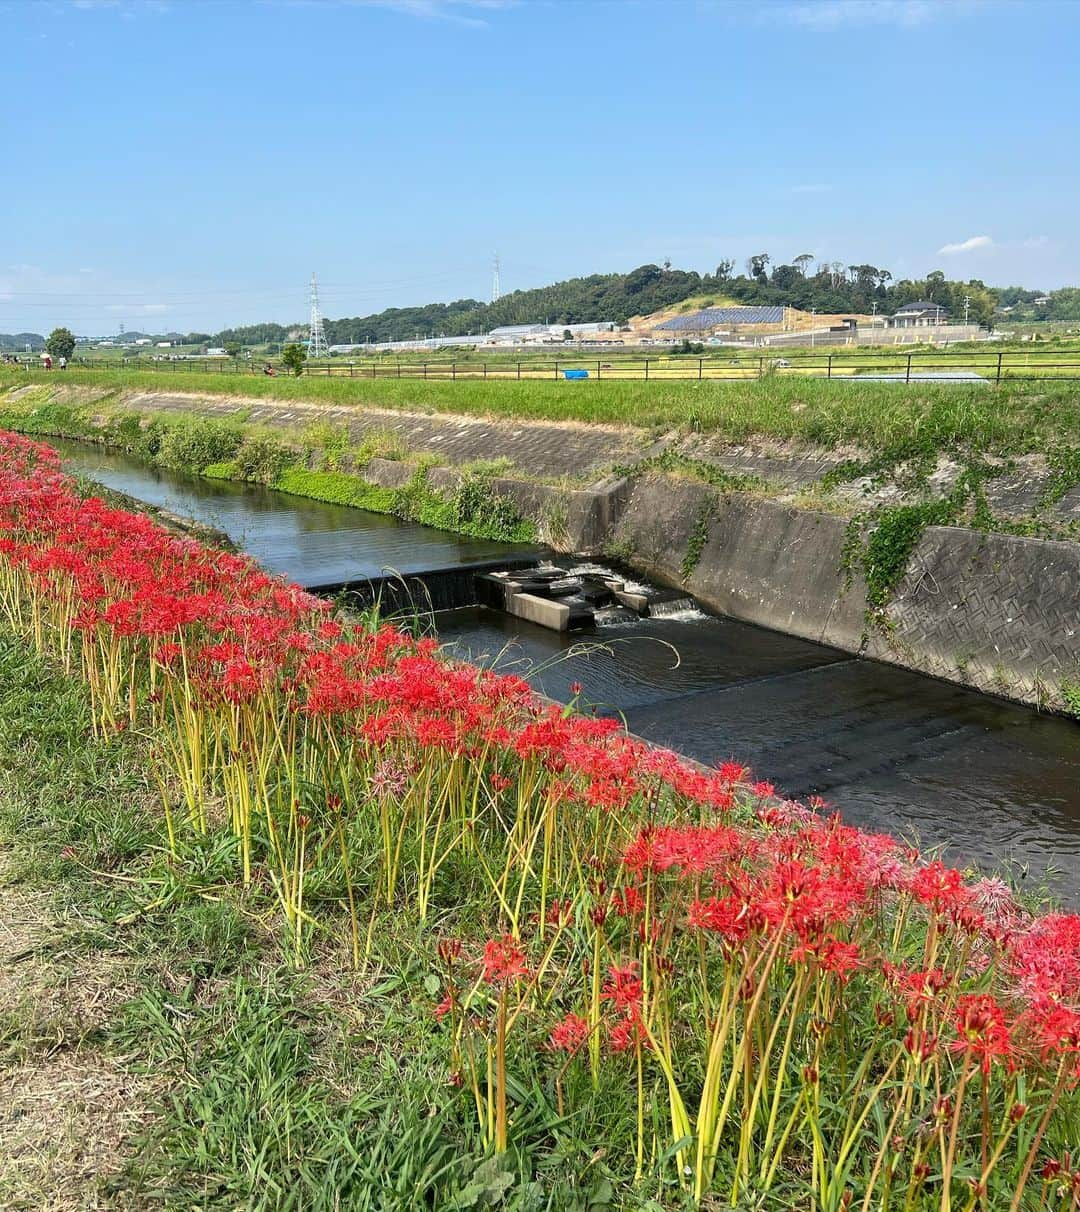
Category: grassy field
<point>878,417</point>
<point>157,1050</point>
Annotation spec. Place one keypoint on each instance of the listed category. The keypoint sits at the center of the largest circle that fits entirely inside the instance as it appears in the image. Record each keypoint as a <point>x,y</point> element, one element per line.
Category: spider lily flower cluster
<point>795,1009</point>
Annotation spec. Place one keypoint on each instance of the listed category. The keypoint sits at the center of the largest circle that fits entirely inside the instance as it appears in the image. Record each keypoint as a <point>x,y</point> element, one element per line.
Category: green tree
<point>294,356</point>
<point>757,267</point>
<point>232,348</point>
<point>61,343</point>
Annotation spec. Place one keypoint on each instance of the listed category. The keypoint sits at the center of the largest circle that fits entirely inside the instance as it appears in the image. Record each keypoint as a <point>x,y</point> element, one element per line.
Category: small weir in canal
<point>891,749</point>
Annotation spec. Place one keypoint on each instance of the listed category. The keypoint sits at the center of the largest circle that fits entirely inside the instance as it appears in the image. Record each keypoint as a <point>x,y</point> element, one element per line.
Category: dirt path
<point>67,1106</point>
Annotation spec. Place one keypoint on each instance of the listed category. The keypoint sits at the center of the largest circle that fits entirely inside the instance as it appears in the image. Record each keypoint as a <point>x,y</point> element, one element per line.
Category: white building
<point>920,314</point>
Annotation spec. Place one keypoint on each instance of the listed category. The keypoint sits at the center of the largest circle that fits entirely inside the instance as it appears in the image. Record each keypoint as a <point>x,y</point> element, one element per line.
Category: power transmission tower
<point>495,291</point>
<point>316,337</point>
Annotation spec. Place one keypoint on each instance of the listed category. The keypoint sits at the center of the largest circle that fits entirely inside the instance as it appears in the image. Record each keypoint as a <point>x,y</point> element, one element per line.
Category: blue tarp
<point>575,374</point>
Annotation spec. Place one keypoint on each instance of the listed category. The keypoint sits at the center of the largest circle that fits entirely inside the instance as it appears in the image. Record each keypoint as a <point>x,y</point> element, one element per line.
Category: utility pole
<point>496,292</point>
<point>967,307</point>
<point>316,335</point>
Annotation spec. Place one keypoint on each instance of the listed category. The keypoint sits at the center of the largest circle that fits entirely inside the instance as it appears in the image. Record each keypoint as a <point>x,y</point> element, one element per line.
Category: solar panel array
<point>711,317</point>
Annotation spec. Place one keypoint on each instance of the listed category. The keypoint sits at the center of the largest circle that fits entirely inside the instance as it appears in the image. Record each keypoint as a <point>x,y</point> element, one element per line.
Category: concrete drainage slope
<point>989,610</point>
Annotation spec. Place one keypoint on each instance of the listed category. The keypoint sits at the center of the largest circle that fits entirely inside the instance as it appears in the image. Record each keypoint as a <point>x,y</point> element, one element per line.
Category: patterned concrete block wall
<point>755,559</point>
<point>992,611</point>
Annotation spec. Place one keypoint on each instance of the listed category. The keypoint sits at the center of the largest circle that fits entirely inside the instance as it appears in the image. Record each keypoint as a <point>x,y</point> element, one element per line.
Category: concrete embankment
<point>765,533</point>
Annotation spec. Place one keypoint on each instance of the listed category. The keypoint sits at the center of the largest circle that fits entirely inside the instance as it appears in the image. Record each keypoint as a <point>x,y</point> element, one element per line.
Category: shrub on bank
<point>803,1013</point>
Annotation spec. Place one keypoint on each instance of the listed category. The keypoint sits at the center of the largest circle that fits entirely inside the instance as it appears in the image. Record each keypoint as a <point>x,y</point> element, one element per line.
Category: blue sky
<point>188,163</point>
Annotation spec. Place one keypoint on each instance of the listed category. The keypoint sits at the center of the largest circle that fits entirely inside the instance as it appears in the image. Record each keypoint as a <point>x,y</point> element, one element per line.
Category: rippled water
<point>893,750</point>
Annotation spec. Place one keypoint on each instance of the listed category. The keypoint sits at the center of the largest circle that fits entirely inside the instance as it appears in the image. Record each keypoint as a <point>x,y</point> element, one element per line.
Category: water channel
<point>892,750</point>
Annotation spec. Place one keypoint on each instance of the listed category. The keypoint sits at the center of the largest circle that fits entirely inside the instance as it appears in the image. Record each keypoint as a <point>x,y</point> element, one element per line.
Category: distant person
<point>269,370</point>
<point>47,362</point>
<point>63,362</point>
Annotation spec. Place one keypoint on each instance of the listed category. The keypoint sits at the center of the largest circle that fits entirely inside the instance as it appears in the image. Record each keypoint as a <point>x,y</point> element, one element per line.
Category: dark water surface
<point>311,542</point>
<point>891,749</point>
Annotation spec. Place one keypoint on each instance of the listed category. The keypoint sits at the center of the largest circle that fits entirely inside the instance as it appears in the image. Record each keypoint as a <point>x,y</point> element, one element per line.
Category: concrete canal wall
<point>747,531</point>
<point>995,612</point>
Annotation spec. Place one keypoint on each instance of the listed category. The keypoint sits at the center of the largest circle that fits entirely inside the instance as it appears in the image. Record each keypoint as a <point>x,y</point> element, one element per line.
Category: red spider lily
<point>920,989</point>
<point>726,916</point>
<point>569,1034</point>
<point>981,1029</point>
<point>939,887</point>
<point>504,960</point>
<point>1045,957</point>
<point>449,949</point>
<point>1054,1027</point>
<point>623,986</point>
<point>920,1045</point>
<point>835,956</point>
<point>265,703</point>
<point>627,1032</point>
<point>628,902</point>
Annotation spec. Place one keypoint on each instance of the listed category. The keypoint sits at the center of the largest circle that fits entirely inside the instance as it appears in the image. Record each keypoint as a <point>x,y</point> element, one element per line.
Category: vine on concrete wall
<point>695,544</point>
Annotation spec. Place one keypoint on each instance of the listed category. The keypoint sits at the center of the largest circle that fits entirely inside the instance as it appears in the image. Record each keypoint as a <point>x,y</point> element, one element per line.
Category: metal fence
<point>987,366</point>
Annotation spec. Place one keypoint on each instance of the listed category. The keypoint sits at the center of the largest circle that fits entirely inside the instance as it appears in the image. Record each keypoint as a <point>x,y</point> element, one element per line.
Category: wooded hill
<point>829,288</point>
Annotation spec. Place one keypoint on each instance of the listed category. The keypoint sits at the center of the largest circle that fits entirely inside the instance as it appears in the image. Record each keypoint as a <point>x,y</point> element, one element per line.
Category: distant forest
<point>828,287</point>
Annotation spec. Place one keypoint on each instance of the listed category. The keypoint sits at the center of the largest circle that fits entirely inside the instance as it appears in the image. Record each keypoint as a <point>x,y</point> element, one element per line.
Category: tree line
<point>828,287</point>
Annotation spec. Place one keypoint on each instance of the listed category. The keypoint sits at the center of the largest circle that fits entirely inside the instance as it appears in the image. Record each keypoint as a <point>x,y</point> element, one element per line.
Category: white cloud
<point>147,309</point>
<point>1035,242</point>
<point>125,8</point>
<point>829,15</point>
<point>460,12</point>
<point>969,245</point>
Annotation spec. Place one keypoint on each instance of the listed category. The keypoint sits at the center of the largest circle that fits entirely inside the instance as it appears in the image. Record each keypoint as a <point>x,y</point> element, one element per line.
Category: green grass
<point>1014,417</point>
<point>296,462</point>
<point>246,1084</point>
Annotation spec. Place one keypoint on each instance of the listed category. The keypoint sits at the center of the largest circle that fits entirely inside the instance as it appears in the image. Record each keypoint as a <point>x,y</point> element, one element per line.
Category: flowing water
<point>892,750</point>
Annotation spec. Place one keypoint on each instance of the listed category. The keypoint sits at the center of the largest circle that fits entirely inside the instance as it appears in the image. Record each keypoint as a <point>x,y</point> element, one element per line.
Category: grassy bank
<point>412,938</point>
<point>157,1051</point>
<point>1010,418</point>
<point>316,461</point>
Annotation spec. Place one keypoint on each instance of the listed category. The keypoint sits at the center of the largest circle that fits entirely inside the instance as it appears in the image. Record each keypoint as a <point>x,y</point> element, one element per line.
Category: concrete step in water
<point>665,609</point>
<point>581,590</point>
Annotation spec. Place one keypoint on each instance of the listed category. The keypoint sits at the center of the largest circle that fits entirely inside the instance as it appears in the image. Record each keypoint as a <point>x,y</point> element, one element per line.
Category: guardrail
<point>913,366</point>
